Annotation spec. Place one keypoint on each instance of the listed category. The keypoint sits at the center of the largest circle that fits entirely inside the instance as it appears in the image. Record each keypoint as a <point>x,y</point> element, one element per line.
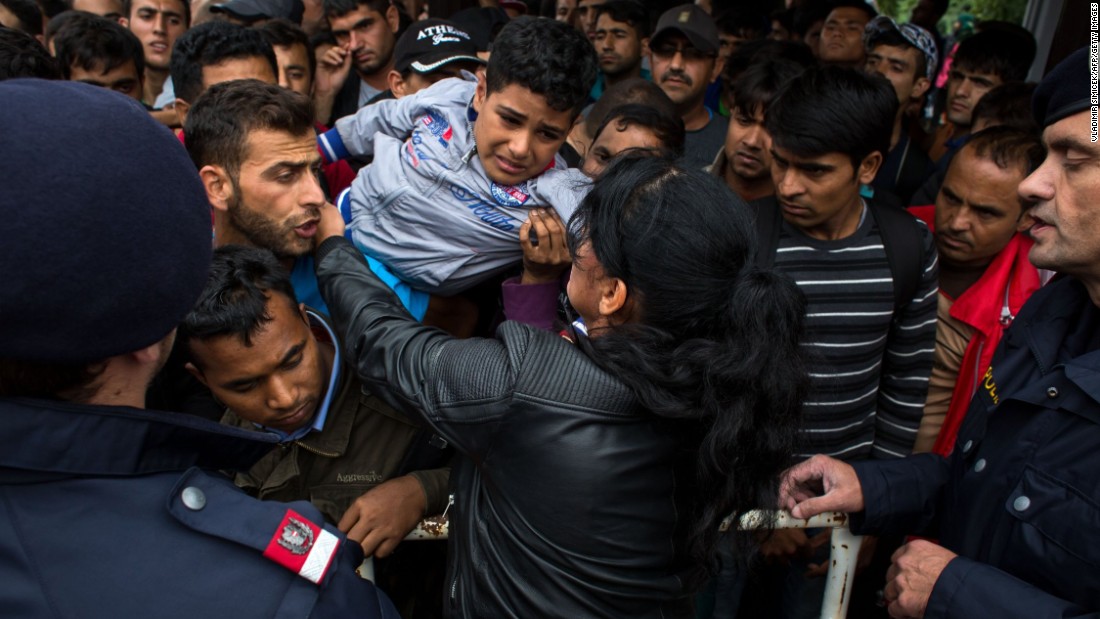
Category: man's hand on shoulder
<point>382,517</point>
<point>913,573</point>
<point>820,484</point>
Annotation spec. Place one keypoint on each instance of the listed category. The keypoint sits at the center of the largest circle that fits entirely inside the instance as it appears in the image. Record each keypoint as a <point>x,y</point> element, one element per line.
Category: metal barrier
<point>842,560</point>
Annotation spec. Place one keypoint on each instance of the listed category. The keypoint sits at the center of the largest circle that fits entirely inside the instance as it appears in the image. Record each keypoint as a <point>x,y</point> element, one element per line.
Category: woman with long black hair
<point>595,472</point>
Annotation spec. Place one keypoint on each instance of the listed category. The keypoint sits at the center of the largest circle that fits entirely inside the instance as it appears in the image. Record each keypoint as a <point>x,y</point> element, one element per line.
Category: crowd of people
<point>579,278</point>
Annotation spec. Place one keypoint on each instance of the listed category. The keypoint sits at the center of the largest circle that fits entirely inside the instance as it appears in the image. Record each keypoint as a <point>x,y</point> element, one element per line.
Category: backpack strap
<point>769,221</point>
<point>901,238</point>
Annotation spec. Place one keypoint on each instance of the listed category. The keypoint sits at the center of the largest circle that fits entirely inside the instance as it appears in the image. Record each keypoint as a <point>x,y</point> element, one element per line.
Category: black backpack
<point>901,239</point>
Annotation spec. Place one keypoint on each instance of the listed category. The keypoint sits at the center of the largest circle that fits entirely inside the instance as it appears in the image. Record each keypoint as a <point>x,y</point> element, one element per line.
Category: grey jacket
<point>426,207</point>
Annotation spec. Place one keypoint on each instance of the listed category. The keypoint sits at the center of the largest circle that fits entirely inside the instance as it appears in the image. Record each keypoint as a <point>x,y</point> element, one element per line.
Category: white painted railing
<point>842,561</point>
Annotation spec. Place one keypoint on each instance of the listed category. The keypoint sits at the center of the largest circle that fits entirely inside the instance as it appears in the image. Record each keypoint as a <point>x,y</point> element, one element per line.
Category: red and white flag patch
<point>302,547</point>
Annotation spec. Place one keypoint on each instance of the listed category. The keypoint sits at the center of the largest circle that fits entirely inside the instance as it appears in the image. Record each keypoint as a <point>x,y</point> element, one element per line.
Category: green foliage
<point>1005,10</point>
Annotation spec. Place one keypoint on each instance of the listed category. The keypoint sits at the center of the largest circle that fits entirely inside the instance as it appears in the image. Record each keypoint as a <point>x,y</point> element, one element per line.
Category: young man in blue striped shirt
<point>871,312</point>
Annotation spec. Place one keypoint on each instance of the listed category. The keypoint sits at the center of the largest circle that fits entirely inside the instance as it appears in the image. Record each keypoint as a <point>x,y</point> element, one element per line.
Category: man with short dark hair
<point>1013,506</point>
<point>157,24</point>
<point>842,36</point>
<point>620,39</point>
<point>745,161</point>
<point>906,56</point>
<point>122,511</point>
<point>277,367</point>
<point>357,69</point>
<point>98,51</point>
<point>683,54</point>
<point>980,224</point>
<point>868,270</point>
<point>215,52</point>
<point>255,148</point>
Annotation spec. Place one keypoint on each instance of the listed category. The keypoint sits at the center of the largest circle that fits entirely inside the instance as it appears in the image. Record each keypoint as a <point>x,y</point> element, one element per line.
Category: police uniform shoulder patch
<point>302,547</point>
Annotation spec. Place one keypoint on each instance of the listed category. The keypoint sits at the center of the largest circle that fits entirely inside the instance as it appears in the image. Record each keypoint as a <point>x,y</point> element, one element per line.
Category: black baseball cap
<point>692,22</point>
<point>431,43</point>
<point>252,10</point>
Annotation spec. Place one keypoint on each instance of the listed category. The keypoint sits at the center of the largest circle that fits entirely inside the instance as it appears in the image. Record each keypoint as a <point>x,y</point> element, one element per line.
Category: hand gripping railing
<point>842,560</point>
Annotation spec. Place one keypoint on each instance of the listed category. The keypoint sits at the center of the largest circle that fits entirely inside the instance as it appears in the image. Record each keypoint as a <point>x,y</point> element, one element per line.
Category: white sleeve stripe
<point>319,557</point>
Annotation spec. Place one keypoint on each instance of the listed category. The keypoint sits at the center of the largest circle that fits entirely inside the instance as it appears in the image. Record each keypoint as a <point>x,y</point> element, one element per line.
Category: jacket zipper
<point>316,451</point>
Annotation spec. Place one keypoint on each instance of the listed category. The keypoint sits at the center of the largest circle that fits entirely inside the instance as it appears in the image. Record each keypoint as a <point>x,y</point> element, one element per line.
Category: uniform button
<point>1021,503</point>
<point>1052,392</point>
<point>967,446</point>
<point>979,466</point>
<point>193,498</point>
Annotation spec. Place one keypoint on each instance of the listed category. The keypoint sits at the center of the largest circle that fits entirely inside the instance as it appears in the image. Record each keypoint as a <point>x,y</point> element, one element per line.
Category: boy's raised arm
<point>354,135</point>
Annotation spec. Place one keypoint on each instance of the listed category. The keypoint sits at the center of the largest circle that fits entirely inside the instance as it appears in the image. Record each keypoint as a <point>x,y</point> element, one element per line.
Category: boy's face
<point>278,381</point>
<point>517,132</point>
<point>122,79</point>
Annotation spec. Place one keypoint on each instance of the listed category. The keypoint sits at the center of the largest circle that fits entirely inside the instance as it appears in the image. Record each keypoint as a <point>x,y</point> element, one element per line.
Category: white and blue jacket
<point>425,207</point>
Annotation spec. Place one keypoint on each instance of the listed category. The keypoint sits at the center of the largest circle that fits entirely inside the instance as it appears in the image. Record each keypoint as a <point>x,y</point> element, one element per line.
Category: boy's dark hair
<point>667,127</point>
<point>209,44</point>
<point>219,123</point>
<point>52,8</point>
<point>853,4</point>
<point>21,55</point>
<point>1004,50</point>
<point>285,33</point>
<point>630,12</point>
<point>90,42</point>
<point>339,8</point>
<point>185,8</point>
<point>834,110</point>
<point>28,14</point>
<point>1008,104</point>
<point>757,86</point>
<point>547,57</point>
<point>234,301</point>
<point>633,90</point>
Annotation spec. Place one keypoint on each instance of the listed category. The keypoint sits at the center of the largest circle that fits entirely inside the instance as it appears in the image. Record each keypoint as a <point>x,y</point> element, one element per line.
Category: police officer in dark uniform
<point>107,509</point>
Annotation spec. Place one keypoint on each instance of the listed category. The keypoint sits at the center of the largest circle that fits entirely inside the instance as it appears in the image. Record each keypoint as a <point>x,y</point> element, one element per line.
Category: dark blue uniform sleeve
<point>968,589</point>
<point>900,495</point>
